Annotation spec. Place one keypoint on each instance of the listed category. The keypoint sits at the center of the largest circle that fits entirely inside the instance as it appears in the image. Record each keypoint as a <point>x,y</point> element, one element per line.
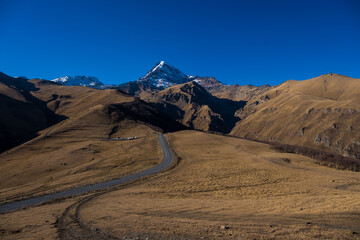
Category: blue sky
<point>244,42</point>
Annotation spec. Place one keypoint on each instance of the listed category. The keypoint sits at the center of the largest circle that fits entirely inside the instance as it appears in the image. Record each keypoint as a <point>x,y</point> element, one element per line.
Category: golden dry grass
<point>254,191</point>
<point>33,223</point>
<point>220,181</point>
<point>75,152</point>
<point>321,112</point>
<point>69,159</point>
<point>70,101</point>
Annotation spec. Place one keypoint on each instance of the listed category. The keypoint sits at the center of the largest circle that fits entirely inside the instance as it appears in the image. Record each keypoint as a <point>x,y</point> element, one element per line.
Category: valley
<point>227,180</point>
<point>235,189</point>
<point>318,113</point>
<point>179,120</point>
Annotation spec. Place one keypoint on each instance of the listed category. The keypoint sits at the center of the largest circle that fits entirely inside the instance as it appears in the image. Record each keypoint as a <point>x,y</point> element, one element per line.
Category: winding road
<point>168,159</point>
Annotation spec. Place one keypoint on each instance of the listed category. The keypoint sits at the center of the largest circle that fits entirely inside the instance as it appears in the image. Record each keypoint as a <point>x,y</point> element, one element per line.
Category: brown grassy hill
<point>28,106</point>
<point>85,106</point>
<point>223,188</point>
<point>239,92</point>
<point>254,191</point>
<point>322,112</point>
<point>233,92</point>
<point>70,100</point>
<point>81,149</point>
<point>194,107</point>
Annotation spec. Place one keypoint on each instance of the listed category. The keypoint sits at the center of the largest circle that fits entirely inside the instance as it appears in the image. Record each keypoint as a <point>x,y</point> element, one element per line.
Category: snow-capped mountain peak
<point>162,75</point>
<point>156,68</point>
<point>79,81</point>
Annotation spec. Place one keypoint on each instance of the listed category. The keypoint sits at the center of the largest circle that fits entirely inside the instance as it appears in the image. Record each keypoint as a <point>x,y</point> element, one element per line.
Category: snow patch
<point>79,81</point>
<point>164,76</point>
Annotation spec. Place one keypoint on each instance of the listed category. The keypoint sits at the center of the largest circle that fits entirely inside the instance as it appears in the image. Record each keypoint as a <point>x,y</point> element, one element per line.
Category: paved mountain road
<point>167,161</point>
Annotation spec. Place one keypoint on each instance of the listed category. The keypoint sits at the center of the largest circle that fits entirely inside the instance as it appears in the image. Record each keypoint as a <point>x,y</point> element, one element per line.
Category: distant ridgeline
<point>320,113</point>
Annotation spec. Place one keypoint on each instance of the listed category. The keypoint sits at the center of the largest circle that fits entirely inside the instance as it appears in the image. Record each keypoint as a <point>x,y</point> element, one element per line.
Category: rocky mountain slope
<point>240,92</point>
<point>233,92</point>
<point>322,112</point>
<point>209,83</point>
<point>191,105</point>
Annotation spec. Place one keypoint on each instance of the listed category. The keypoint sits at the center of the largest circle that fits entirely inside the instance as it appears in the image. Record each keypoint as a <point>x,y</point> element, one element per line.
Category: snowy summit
<point>163,76</point>
<point>79,81</point>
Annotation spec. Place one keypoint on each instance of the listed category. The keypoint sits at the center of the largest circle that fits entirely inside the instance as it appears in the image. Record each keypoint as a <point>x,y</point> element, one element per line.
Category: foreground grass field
<point>233,188</point>
<point>69,159</point>
<point>223,188</point>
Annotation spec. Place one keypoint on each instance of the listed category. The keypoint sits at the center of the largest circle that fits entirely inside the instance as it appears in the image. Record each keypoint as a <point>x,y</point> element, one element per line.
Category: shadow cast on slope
<point>226,108</point>
<point>144,113</point>
<point>21,120</point>
<point>192,98</point>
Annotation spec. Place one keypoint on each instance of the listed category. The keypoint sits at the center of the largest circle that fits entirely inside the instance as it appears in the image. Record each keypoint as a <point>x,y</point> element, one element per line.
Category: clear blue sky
<point>244,42</point>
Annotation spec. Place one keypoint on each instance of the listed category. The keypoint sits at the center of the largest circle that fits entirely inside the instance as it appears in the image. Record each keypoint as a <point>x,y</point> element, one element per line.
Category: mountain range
<point>79,81</point>
<point>319,113</point>
<point>163,76</point>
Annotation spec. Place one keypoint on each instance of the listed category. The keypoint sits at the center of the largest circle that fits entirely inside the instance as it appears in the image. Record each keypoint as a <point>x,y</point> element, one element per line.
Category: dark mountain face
<point>144,113</point>
<point>21,114</point>
<point>194,107</point>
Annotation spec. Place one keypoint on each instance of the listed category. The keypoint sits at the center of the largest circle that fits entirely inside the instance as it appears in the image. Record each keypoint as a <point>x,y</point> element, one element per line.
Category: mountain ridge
<point>320,112</point>
<point>193,106</point>
<point>160,77</point>
<point>87,81</point>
